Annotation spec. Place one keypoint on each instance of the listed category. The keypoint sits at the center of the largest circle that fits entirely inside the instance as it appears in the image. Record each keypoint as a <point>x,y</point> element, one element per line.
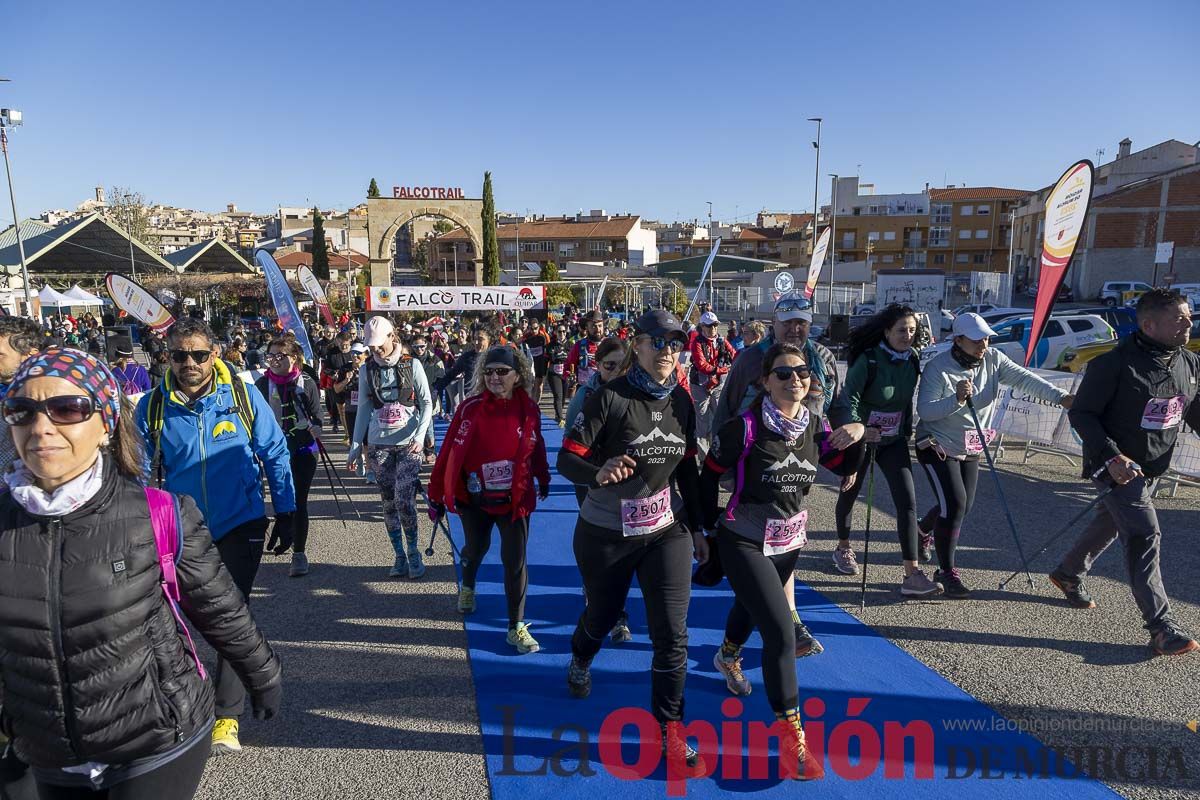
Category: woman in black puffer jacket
<point>99,689</point>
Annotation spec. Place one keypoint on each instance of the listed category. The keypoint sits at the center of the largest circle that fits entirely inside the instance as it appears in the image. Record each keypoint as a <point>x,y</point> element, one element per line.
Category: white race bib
<point>498,475</point>
<point>785,535</point>
<point>557,369</point>
<point>393,415</point>
<point>354,397</point>
<point>887,422</point>
<point>1163,413</point>
<point>646,515</point>
<point>536,352</point>
<point>971,441</point>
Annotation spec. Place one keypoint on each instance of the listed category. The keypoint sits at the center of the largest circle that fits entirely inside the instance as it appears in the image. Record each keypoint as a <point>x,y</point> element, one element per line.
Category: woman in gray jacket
<point>948,444</point>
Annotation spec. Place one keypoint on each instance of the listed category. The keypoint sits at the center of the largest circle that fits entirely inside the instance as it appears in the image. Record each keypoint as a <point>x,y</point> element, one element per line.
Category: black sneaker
<point>676,750</point>
<point>1171,641</point>
<point>952,585</point>
<point>806,643</point>
<point>579,678</point>
<point>1073,589</point>
<point>925,547</point>
<point>620,632</point>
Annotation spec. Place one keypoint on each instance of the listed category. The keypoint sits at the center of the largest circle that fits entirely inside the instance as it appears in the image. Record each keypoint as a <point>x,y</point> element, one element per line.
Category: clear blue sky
<point>647,107</point>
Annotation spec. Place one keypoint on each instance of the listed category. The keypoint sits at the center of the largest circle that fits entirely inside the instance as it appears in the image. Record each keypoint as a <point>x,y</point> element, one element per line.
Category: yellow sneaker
<point>519,638</point>
<point>225,736</point>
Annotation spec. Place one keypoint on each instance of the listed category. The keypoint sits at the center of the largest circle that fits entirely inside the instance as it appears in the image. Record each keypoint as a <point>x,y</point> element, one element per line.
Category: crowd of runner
<point>692,453</point>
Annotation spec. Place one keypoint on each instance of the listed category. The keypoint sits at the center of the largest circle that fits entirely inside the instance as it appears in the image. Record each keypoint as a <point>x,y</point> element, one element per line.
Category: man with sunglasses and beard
<point>205,445</point>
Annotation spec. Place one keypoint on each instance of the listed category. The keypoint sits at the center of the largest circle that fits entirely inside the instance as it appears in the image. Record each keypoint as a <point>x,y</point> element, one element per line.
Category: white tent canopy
<point>50,297</point>
<point>82,297</point>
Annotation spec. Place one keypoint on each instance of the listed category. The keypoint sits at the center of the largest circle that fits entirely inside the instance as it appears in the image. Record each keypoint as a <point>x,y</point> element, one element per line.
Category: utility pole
<point>816,187</point>
<point>10,117</point>
<point>832,236</point>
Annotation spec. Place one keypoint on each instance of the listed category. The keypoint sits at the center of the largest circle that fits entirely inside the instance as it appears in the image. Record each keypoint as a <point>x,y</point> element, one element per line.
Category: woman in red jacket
<point>485,471</point>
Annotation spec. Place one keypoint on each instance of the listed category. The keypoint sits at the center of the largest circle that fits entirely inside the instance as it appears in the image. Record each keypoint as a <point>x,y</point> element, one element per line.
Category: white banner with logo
<point>455,298</point>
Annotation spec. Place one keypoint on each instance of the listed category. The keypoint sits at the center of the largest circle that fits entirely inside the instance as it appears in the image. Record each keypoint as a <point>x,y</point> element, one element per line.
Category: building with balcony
<point>970,228</point>
<point>887,231</point>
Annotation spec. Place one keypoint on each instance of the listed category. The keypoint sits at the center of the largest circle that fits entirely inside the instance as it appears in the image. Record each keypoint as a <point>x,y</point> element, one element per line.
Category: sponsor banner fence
<point>456,298</point>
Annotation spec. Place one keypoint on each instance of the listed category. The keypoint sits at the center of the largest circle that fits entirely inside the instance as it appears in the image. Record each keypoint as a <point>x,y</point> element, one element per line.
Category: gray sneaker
<point>844,561</point>
<point>918,585</point>
<point>400,567</point>
<point>299,565</point>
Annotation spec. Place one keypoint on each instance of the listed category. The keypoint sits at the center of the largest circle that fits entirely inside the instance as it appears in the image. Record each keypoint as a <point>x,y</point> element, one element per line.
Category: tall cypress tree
<point>491,251</point>
<point>373,189</point>
<point>320,254</point>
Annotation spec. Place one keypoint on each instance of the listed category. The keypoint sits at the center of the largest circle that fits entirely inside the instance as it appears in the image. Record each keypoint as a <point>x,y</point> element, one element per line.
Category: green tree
<point>443,226</point>
<point>491,250</point>
<point>558,295</point>
<point>373,189</point>
<point>320,253</point>
<point>129,211</point>
<point>675,297</point>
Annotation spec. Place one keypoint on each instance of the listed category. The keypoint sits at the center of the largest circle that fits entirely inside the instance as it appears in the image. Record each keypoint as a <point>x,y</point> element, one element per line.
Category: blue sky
<point>647,107</point>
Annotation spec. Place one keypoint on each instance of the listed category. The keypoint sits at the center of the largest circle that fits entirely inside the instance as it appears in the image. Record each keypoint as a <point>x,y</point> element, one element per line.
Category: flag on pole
<point>1066,211</point>
<point>818,261</point>
<point>313,287</point>
<point>134,299</point>
<point>285,303</point>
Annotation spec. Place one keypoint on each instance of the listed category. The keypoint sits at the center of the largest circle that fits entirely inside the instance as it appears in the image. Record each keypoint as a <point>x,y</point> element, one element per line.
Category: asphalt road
<point>379,701</point>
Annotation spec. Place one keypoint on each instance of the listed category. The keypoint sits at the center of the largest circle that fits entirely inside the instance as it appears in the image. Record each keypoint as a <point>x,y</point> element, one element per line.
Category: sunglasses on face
<point>199,356</point>
<point>786,373</point>
<point>68,409</point>
<point>276,356</point>
<point>609,366</point>
<point>660,342</point>
<point>793,305</point>
<point>499,372</point>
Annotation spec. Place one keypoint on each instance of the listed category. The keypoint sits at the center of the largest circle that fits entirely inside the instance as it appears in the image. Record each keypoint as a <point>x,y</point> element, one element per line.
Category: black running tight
<point>954,485</point>
<point>514,538</point>
<point>896,466</point>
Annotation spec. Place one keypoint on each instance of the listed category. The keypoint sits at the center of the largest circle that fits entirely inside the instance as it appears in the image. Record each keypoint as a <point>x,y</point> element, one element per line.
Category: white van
<point>1062,331</point>
<point>1113,292</point>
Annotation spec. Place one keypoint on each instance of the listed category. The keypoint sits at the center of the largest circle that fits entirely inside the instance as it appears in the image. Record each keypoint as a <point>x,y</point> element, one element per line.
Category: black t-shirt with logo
<point>537,344</point>
<point>776,476</point>
<point>660,435</point>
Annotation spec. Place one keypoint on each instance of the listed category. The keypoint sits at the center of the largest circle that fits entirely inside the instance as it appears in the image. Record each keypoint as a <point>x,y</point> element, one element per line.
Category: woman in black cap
<point>634,447</point>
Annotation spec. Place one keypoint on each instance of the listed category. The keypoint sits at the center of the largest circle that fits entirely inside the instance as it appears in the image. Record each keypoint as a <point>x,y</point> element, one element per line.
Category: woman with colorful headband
<point>99,687</point>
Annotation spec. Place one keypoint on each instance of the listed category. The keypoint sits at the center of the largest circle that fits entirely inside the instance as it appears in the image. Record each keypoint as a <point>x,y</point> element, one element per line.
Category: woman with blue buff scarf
<point>634,447</point>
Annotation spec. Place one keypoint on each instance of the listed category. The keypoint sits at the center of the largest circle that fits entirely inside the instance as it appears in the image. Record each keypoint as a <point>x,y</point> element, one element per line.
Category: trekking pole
<point>1065,528</point>
<point>862,600</point>
<point>999,489</point>
<point>333,491</point>
<point>440,524</point>
<point>330,468</point>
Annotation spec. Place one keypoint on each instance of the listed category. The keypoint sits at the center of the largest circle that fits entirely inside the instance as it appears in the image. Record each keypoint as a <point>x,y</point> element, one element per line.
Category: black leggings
<point>304,468</point>
<point>894,462</point>
<point>514,538</point>
<point>556,388</point>
<point>178,779</point>
<point>663,565</point>
<point>954,485</point>
<point>760,601</point>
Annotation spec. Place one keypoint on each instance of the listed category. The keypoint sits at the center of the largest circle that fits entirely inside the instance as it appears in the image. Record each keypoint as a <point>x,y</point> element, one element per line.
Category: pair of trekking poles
<point>862,604</point>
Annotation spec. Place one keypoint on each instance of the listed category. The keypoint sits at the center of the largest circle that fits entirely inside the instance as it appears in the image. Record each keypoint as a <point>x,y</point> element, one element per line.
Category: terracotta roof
<point>560,228</point>
<point>976,193</point>
<point>799,220</point>
<point>760,234</point>
<point>336,260</point>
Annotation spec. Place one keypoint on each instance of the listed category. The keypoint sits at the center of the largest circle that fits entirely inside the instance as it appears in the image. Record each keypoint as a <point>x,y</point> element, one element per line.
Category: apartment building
<point>885,230</point>
<point>970,228</point>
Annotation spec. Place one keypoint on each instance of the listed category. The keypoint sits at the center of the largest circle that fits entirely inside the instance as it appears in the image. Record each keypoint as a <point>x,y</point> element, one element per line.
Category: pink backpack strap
<point>751,433</point>
<point>168,540</point>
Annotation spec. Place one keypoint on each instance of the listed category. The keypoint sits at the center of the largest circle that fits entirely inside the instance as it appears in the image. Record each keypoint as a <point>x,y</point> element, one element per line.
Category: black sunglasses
<point>786,373</point>
<point>499,372</point>
<point>67,409</point>
<point>199,356</point>
<point>659,342</point>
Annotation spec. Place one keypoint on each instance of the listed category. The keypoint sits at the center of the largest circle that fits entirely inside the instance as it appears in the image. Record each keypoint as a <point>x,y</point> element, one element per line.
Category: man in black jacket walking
<point>1128,411</point>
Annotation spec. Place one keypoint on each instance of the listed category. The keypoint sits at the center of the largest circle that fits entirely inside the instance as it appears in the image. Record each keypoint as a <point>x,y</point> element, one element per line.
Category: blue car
<point>1122,319</point>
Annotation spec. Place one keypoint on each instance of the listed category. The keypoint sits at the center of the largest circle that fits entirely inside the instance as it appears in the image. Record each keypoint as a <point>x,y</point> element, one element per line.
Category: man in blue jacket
<point>206,436</point>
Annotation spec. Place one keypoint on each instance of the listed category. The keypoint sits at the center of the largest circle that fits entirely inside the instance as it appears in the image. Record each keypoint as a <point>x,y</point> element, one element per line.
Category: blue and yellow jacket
<point>207,453</point>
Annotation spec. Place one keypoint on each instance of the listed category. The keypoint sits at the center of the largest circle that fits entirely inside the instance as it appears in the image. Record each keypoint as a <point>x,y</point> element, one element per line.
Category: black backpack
<point>406,395</point>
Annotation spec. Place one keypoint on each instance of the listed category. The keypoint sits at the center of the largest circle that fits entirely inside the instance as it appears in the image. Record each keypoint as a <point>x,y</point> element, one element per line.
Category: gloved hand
<point>302,440</point>
<point>436,511</point>
<point>282,533</point>
<point>543,491</point>
<point>265,704</point>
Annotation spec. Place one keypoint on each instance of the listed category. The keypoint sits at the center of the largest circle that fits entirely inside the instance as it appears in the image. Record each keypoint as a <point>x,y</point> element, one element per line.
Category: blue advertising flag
<point>285,304</point>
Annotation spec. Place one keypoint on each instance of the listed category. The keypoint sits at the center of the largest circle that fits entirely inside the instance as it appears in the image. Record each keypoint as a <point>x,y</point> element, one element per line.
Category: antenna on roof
<point>1099,155</point>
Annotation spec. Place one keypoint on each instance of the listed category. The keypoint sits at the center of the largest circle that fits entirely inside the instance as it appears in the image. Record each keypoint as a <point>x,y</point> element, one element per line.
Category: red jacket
<point>474,440</point>
<point>706,359</point>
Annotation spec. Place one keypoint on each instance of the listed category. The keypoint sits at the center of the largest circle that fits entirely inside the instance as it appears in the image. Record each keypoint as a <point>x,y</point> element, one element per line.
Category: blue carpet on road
<point>542,743</point>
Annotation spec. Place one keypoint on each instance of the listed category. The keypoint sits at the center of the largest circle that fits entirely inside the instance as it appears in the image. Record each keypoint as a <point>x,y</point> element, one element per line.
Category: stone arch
<point>384,244</point>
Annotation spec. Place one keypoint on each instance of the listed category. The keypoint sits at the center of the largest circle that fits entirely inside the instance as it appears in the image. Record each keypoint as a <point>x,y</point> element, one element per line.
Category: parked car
<point>1065,295</point>
<point>1122,319</point>
<point>1112,293</point>
<point>1076,359</point>
<point>1062,331</point>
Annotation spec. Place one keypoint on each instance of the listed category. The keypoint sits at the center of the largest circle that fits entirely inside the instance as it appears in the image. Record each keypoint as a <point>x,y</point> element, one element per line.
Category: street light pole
<point>4,122</point>
<point>816,187</point>
<point>711,299</point>
<point>129,234</point>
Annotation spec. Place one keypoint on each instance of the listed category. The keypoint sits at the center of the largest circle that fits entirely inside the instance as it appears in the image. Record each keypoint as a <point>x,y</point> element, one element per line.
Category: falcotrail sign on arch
<point>456,298</point>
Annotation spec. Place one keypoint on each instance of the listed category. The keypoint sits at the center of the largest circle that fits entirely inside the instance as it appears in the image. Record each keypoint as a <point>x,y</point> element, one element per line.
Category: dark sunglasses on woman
<point>786,373</point>
<point>659,342</point>
<point>499,372</point>
<point>67,409</point>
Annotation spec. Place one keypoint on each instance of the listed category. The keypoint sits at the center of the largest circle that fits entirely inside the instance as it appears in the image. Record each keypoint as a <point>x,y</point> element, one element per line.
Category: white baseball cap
<point>378,331</point>
<point>708,318</point>
<point>972,326</point>
<point>793,305</point>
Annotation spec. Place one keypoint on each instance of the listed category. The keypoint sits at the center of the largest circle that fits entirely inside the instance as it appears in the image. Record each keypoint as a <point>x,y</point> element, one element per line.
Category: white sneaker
<point>844,561</point>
